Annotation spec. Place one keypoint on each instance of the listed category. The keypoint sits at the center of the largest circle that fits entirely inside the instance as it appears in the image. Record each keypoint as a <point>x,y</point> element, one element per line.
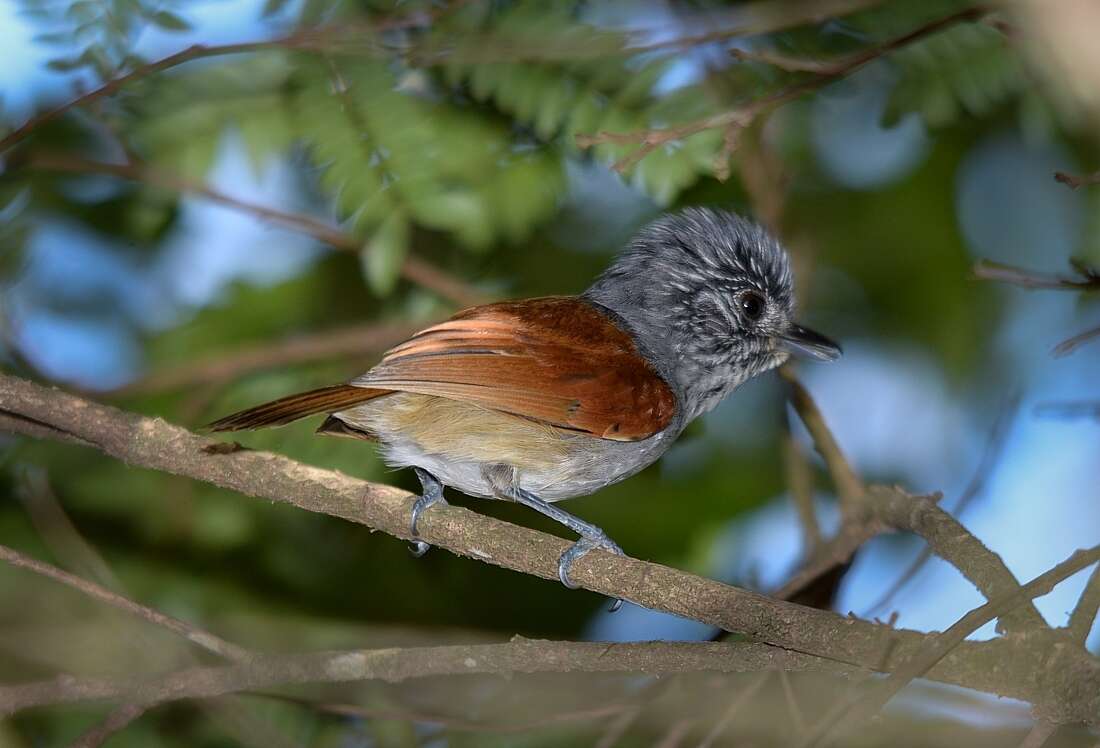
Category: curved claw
<point>418,548</point>
<point>581,548</point>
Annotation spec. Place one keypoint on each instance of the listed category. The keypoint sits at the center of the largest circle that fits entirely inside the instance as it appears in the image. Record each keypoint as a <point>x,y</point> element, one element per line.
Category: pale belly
<point>470,448</point>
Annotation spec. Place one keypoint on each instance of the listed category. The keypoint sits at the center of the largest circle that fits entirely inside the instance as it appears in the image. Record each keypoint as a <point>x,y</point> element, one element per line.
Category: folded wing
<point>559,360</point>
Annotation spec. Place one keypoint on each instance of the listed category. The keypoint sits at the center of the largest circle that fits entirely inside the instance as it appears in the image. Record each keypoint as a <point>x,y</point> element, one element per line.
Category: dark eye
<point>752,305</point>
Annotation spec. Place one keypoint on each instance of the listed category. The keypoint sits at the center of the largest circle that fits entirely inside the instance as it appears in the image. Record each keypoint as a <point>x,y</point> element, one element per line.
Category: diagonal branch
<point>1070,345</point>
<point>990,455</point>
<point>942,644</point>
<point>1083,617</point>
<point>204,639</point>
<point>996,271</point>
<point>1006,666</point>
<point>352,340</point>
<point>414,269</point>
<point>872,511</point>
<point>325,38</point>
<point>741,117</point>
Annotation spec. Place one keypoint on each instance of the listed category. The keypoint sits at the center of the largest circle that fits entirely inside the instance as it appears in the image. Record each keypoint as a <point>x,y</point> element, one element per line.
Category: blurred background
<point>242,226</point>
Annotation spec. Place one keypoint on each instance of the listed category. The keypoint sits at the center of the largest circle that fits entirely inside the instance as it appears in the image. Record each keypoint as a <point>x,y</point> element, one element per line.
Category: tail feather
<point>292,407</point>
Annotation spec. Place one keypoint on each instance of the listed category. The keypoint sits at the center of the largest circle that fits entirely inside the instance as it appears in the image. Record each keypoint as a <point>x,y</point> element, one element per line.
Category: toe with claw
<point>581,548</point>
<point>432,494</point>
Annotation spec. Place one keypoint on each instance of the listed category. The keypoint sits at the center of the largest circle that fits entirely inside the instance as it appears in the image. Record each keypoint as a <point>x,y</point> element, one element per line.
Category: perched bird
<point>539,400</point>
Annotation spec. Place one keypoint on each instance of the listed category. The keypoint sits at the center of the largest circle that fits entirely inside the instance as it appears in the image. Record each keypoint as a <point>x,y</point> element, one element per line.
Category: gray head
<point>710,298</point>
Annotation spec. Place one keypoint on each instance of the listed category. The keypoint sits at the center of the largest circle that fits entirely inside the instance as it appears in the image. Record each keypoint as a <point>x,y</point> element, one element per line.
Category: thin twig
<point>416,270</point>
<point>1069,345</point>
<point>783,62</point>
<point>450,722</point>
<point>849,487</point>
<point>1038,735</point>
<point>1083,617</point>
<point>942,644</point>
<point>196,636</point>
<point>994,449</point>
<point>119,719</point>
<point>354,340</point>
<point>800,484</point>
<point>996,271</point>
<point>330,39</point>
<point>739,701</point>
<point>265,671</point>
<point>1073,181</point>
<point>650,139</point>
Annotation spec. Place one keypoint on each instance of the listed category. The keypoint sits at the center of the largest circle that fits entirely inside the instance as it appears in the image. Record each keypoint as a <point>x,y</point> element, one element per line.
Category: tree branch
<point>870,511</point>
<point>942,644</point>
<point>395,665</point>
<point>196,636</point>
<point>990,456</point>
<point>1069,345</point>
<point>1005,666</point>
<point>325,38</point>
<point>741,117</point>
<point>347,341</point>
<point>1083,617</point>
<point>414,269</point>
<point>1073,181</point>
<point>996,271</point>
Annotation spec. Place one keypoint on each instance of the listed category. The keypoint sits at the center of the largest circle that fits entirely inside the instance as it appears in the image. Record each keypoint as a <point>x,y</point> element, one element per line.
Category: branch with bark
<point>736,120</point>
<point>413,268</point>
<point>1063,681</point>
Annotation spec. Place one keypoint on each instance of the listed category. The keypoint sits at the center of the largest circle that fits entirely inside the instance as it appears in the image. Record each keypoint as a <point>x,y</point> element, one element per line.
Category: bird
<point>544,399</point>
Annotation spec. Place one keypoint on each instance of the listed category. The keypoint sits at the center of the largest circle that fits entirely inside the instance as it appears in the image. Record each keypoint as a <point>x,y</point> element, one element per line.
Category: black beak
<point>799,341</point>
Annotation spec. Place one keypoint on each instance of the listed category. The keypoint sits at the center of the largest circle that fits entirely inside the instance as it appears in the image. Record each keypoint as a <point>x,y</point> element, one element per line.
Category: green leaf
<point>384,253</point>
<point>66,64</point>
<point>273,7</point>
<point>169,21</point>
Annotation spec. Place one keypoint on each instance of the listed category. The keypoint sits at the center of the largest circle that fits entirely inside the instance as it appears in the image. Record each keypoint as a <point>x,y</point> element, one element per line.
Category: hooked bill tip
<point>805,343</point>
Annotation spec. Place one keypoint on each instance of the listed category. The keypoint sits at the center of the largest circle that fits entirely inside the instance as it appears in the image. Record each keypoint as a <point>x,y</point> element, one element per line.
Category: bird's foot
<point>580,548</point>
<point>431,495</point>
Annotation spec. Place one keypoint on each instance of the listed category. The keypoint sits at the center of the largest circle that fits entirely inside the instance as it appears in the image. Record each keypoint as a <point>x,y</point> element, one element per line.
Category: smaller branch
<point>117,721</point>
<point>265,671</point>
<point>1083,617</point>
<point>58,531</point>
<point>1038,736</point>
<point>206,640</point>
<point>415,270</point>
<point>995,271</point>
<point>848,485</point>
<point>942,644</point>
<point>1068,346</point>
<point>783,62</point>
<point>743,116</point>
<point>347,341</point>
<point>451,722</point>
<point>800,484</point>
<point>994,448</point>
<point>326,38</point>
<point>1074,181</point>
<point>733,709</point>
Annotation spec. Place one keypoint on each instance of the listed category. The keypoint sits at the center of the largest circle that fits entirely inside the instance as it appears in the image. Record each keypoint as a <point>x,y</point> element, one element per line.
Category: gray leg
<point>591,538</point>
<point>431,493</point>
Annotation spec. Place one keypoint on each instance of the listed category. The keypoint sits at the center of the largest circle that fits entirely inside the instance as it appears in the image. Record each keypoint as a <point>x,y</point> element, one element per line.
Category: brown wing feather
<point>558,360</point>
<point>291,408</point>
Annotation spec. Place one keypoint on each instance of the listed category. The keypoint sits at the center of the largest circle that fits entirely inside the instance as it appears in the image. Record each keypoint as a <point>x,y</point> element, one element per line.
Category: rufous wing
<point>558,360</point>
